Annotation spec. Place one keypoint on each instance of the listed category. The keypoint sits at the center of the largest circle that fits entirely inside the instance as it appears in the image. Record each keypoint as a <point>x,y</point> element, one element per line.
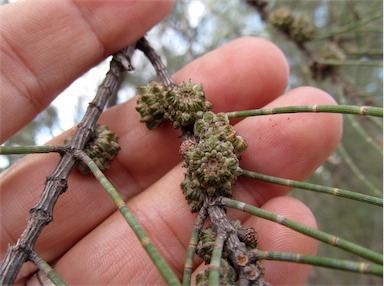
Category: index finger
<point>46,45</point>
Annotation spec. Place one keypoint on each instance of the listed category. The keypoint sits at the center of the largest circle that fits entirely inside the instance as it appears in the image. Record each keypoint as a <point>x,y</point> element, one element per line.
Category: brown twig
<point>247,267</point>
<point>56,184</point>
<point>161,70</point>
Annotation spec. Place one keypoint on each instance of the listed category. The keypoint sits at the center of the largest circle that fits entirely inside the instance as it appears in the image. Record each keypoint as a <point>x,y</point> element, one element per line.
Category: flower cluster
<point>102,148</point>
<point>211,159</point>
<point>218,126</point>
<point>181,105</point>
<point>211,147</point>
<point>300,29</point>
<point>151,105</point>
<point>212,169</point>
<point>185,103</point>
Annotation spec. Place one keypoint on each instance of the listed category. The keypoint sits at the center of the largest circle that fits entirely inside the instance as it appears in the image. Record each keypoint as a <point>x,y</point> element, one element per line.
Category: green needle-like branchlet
<point>192,246</point>
<point>214,267</point>
<point>346,265</point>
<point>46,268</point>
<point>9,150</point>
<point>317,234</point>
<point>316,188</point>
<point>357,171</point>
<point>164,269</point>
<point>361,63</point>
<point>344,109</point>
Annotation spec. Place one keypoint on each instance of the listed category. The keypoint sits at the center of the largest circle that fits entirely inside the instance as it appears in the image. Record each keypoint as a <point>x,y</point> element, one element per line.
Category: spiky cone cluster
<point>151,105</point>
<point>211,159</point>
<point>218,126</point>
<point>212,170</point>
<point>228,274</point>
<point>253,275</point>
<point>302,30</point>
<point>330,51</point>
<point>207,240</point>
<point>181,105</point>
<point>102,148</point>
<point>299,28</point>
<point>282,19</point>
<point>185,103</point>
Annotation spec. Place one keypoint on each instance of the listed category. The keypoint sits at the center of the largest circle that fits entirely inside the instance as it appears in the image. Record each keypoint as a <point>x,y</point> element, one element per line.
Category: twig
<point>46,268</point>
<point>245,264</point>
<point>56,184</point>
<point>344,109</point>
<point>356,170</point>
<point>192,245</point>
<point>164,269</point>
<point>317,234</point>
<point>10,150</point>
<point>346,265</point>
<point>316,188</point>
<point>161,70</point>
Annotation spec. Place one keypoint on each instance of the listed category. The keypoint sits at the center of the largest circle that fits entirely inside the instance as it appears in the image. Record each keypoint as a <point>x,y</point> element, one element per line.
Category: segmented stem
<point>317,234</point>
<point>46,268</point>
<point>192,246</point>
<point>370,63</point>
<point>156,62</point>
<point>10,150</point>
<point>316,188</point>
<point>162,266</point>
<point>356,170</point>
<point>214,266</point>
<point>346,265</point>
<point>344,109</point>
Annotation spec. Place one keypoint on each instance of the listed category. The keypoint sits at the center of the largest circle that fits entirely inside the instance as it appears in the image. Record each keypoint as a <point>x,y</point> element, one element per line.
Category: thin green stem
<point>162,266</point>
<point>346,265</point>
<point>357,126</point>
<point>368,63</point>
<point>316,188</point>
<point>10,150</point>
<point>365,52</point>
<point>192,246</point>
<point>362,132</point>
<point>349,27</point>
<point>345,109</point>
<point>214,265</point>
<point>46,268</point>
<point>356,170</point>
<point>317,234</point>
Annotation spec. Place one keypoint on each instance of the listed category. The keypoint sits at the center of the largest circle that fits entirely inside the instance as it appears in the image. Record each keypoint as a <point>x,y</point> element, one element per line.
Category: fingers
<point>51,43</point>
<point>162,210</point>
<point>82,209</point>
<point>145,155</point>
<point>112,254</point>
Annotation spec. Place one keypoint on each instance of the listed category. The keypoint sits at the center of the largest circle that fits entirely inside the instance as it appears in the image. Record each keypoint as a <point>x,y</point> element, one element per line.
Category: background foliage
<point>196,27</point>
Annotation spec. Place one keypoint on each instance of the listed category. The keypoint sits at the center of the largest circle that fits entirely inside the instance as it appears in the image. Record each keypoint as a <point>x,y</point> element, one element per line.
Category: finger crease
<point>25,90</point>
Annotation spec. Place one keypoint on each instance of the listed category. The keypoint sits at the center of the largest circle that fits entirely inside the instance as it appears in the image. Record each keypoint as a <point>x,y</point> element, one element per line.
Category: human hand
<point>46,45</point>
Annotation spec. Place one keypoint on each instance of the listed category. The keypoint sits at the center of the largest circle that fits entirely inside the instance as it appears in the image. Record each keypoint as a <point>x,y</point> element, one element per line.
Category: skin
<point>89,242</point>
